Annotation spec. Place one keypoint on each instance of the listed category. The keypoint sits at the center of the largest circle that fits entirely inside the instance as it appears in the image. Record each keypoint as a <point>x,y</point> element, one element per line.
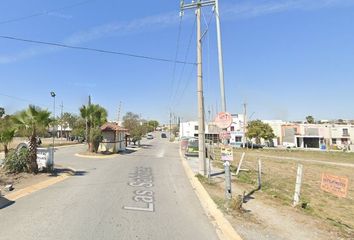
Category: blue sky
<point>287,58</point>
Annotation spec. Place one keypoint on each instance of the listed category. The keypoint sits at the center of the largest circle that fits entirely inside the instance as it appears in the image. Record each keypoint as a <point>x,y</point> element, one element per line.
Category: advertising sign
<point>335,184</point>
<point>226,153</point>
<point>223,120</point>
<point>225,135</point>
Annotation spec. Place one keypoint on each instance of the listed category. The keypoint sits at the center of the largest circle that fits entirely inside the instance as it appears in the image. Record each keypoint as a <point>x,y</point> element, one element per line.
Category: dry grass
<point>278,182</point>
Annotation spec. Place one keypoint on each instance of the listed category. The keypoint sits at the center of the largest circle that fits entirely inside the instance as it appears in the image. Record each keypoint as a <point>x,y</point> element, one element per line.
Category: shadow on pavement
<point>4,202</point>
<point>128,151</point>
<point>68,171</point>
<point>145,146</point>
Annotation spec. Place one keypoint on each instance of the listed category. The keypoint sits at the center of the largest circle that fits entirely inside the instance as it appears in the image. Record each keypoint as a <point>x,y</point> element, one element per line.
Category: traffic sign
<point>223,120</point>
<point>225,135</point>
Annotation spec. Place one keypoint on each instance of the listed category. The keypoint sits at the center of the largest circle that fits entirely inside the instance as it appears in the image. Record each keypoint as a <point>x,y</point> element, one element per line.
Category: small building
<point>114,138</point>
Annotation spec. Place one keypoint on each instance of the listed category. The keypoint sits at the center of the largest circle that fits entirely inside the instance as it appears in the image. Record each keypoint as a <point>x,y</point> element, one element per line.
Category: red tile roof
<point>112,127</point>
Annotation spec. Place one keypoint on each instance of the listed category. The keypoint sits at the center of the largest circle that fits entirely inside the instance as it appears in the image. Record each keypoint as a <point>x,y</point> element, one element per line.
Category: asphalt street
<point>143,194</point>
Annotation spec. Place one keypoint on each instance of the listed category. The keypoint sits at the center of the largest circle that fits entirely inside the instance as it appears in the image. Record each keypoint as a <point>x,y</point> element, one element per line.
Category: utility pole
<point>244,124</point>
<point>118,117</point>
<point>201,122</point>
<point>220,57</point>
<point>170,126</point>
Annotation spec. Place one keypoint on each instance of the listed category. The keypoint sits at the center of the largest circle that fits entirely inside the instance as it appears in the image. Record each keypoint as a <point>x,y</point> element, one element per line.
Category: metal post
<point>244,124</point>
<point>53,132</point>
<point>201,131</point>
<point>228,194</point>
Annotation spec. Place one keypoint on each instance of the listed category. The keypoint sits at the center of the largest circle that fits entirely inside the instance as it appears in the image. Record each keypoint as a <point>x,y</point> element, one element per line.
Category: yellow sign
<point>226,153</point>
<point>335,184</point>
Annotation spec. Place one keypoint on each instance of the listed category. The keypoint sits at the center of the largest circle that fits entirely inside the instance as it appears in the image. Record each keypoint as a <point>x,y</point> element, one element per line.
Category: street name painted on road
<point>142,179</point>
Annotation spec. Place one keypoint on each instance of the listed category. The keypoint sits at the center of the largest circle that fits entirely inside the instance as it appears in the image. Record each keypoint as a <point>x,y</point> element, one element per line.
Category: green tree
<point>32,121</point>
<point>96,116</point>
<point>78,127</point>
<point>7,133</point>
<point>131,121</point>
<point>153,125</point>
<point>310,119</point>
<point>258,130</point>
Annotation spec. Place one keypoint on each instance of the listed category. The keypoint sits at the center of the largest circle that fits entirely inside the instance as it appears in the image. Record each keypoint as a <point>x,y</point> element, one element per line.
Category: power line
<point>44,12</point>
<point>176,55</point>
<point>95,50</point>
<point>185,59</point>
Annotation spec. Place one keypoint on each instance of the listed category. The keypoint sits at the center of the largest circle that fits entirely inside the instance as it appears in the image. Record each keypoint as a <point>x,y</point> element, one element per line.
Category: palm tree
<point>32,120</point>
<point>7,133</point>
<point>95,116</point>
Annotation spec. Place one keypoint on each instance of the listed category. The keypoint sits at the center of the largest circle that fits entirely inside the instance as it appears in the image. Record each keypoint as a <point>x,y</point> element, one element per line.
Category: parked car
<point>149,136</point>
<point>163,135</point>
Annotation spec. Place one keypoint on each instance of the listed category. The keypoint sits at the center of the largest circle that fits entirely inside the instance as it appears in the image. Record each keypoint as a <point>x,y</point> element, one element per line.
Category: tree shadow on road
<point>4,202</point>
<point>60,171</point>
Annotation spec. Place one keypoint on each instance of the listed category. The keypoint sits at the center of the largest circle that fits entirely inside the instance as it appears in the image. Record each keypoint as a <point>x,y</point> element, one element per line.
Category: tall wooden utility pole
<point>201,122</point>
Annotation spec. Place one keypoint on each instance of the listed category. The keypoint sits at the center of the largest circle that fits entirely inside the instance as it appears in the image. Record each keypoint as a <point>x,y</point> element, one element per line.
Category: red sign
<point>223,120</point>
<point>335,184</point>
<point>224,135</point>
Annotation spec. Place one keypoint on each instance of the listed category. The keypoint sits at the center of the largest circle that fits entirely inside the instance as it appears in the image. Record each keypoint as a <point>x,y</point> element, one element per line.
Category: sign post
<point>224,120</point>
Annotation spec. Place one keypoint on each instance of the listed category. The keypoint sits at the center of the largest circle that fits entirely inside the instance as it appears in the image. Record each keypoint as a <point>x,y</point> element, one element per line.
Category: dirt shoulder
<point>264,218</point>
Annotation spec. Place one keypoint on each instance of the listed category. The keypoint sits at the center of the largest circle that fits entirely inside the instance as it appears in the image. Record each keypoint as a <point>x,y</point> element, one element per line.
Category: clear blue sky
<point>286,58</point>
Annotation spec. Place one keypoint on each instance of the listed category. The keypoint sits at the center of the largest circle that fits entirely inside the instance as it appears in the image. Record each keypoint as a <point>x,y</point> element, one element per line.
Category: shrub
<point>95,138</point>
<point>16,161</point>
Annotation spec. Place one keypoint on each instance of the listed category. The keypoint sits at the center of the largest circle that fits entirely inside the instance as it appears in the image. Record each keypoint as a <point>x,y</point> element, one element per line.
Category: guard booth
<point>114,138</point>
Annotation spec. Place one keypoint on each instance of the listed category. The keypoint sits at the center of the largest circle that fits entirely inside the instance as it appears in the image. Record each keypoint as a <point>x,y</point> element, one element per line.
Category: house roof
<point>112,127</point>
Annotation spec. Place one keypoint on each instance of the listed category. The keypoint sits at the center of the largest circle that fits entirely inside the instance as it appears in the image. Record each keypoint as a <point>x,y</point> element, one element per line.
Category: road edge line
<point>223,227</point>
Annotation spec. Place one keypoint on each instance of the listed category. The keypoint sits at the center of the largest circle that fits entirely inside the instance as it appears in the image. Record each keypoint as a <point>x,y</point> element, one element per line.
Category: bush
<point>95,138</point>
<point>16,161</point>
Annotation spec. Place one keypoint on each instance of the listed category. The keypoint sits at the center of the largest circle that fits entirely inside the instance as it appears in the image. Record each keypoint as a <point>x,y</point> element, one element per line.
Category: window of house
<point>232,129</point>
<point>345,132</point>
<point>238,139</point>
<point>334,140</point>
<point>196,128</point>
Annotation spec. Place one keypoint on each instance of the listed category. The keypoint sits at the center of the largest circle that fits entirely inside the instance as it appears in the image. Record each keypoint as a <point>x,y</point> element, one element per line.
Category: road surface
<point>141,195</point>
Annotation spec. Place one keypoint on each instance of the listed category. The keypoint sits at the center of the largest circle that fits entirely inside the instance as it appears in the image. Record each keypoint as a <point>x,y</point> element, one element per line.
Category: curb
<point>88,156</point>
<point>39,186</point>
<point>223,227</point>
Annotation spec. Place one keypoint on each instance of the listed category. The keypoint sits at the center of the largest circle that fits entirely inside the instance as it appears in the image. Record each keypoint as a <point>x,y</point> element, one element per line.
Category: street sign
<point>226,153</point>
<point>225,135</point>
<point>223,120</point>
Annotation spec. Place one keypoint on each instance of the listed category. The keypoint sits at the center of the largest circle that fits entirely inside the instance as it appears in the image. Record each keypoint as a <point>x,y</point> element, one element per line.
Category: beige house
<point>114,138</point>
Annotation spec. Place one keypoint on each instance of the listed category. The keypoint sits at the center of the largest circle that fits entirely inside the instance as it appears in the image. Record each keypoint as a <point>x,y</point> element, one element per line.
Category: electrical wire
<point>44,12</point>
<point>176,56</point>
<point>185,59</point>
<point>95,50</point>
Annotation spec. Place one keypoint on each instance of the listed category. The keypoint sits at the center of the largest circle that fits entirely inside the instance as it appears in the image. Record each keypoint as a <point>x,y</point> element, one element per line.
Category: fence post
<point>240,163</point>
<point>259,174</point>
<point>298,185</point>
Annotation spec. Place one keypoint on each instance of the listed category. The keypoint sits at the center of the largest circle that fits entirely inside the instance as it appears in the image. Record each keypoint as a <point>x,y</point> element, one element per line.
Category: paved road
<point>141,195</point>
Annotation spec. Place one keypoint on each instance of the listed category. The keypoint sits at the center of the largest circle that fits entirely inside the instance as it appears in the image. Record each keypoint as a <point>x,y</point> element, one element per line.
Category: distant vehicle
<point>252,145</point>
<point>163,135</point>
<point>149,136</point>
